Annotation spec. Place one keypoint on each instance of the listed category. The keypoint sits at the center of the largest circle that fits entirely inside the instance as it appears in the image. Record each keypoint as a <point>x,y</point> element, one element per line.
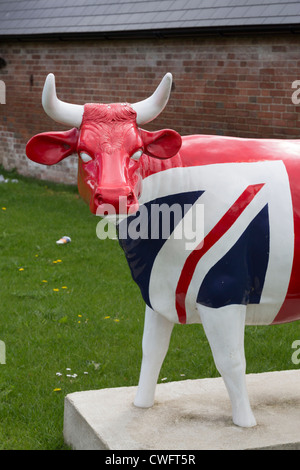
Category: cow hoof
<point>143,403</point>
<point>245,421</point>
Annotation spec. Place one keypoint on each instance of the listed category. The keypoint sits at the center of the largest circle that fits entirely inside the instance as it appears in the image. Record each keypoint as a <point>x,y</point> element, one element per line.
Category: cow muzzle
<point>111,201</point>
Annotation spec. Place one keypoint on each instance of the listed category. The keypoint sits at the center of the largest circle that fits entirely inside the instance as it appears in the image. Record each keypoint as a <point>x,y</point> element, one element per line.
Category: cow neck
<point>150,166</point>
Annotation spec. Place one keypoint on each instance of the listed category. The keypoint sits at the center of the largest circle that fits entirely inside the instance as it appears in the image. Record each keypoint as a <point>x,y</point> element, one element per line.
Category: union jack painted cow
<point>244,269</point>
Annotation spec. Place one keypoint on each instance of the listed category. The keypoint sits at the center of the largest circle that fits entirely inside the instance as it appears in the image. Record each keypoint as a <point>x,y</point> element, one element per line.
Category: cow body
<point>237,264</point>
<point>215,171</point>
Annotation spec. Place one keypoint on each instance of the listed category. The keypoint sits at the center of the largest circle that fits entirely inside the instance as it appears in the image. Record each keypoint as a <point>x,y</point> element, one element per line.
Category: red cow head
<point>109,144</point>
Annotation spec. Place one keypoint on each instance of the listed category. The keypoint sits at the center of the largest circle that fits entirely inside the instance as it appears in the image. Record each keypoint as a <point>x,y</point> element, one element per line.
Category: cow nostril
<point>99,198</point>
<point>130,198</point>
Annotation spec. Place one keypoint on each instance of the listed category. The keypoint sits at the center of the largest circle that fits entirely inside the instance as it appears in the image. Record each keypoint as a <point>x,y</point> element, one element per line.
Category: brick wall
<point>239,86</point>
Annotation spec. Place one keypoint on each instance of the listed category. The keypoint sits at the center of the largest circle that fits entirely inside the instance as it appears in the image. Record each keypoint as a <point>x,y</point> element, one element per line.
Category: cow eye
<point>137,155</point>
<point>85,157</point>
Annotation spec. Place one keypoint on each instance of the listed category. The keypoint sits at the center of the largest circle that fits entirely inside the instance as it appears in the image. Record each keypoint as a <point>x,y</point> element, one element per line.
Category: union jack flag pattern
<point>234,257</point>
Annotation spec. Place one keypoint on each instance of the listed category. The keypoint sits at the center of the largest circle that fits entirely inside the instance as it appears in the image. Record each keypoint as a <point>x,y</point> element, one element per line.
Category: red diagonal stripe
<point>211,238</point>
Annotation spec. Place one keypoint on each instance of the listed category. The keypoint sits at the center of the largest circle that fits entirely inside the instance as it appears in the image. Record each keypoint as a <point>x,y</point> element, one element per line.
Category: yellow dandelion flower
<point>116,320</point>
<point>4,208</point>
<point>80,316</point>
<point>56,290</point>
<point>58,260</point>
<point>44,280</point>
<point>105,318</point>
<point>56,389</point>
<point>21,269</point>
<point>64,287</point>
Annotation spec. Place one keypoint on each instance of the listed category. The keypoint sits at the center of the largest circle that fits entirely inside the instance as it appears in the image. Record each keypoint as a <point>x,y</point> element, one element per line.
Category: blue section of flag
<point>238,277</point>
<point>136,235</point>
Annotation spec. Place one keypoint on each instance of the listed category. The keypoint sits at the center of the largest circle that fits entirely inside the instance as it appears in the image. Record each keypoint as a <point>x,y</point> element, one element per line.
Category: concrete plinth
<point>187,415</point>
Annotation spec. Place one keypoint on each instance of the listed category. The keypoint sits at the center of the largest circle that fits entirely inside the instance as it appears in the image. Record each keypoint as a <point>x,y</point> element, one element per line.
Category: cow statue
<point>240,265</point>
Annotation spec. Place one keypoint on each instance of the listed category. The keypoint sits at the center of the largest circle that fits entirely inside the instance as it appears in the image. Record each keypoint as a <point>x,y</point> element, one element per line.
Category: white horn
<point>150,108</point>
<point>64,113</point>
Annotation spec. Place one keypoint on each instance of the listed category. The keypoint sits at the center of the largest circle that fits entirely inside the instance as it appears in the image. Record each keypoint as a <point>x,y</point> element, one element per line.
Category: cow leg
<point>224,328</point>
<point>156,339</point>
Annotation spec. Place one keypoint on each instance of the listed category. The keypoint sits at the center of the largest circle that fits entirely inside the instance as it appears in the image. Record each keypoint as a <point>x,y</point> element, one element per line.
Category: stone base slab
<point>187,415</point>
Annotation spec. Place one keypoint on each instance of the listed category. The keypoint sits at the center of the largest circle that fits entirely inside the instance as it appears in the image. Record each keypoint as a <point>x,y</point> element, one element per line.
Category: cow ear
<point>161,144</point>
<point>49,148</point>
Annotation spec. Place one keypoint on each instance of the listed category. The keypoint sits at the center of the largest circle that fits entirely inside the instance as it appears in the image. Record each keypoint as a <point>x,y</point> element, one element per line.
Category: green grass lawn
<point>74,310</point>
